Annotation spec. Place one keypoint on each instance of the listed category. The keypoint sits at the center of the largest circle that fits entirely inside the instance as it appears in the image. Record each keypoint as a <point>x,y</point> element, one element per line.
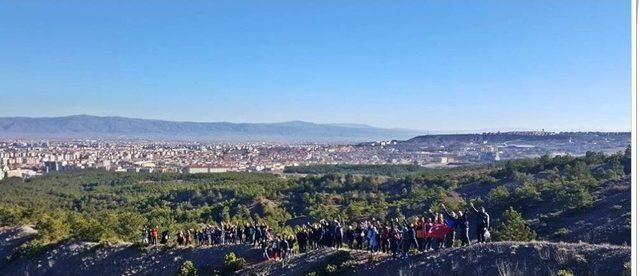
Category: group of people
<point>430,232</point>
<point>225,233</point>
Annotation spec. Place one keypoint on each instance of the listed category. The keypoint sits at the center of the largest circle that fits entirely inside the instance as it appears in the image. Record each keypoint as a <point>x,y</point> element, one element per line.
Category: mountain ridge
<point>89,126</point>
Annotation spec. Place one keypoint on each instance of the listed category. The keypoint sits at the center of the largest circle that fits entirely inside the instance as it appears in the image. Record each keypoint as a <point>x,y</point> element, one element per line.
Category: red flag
<point>439,231</point>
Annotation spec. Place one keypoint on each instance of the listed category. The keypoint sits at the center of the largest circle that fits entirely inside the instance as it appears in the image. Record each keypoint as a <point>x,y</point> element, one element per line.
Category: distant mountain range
<point>86,126</point>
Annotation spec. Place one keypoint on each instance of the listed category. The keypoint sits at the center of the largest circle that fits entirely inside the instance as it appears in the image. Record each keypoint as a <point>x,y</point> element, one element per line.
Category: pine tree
<point>513,227</point>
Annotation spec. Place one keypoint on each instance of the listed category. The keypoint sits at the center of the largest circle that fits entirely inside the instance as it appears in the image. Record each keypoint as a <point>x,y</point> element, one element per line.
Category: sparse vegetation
<point>187,269</point>
<point>565,273</point>
<point>96,205</point>
<point>513,227</point>
<point>232,263</point>
<point>340,262</point>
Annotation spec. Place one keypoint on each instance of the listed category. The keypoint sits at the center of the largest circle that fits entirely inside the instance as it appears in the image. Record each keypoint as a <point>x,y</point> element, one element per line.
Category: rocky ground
<point>500,258</point>
<point>83,258</point>
<point>510,258</point>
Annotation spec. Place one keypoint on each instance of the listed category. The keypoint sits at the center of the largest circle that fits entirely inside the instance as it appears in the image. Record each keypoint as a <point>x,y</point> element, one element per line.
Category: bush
<point>527,194</point>
<point>232,262</point>
<point>9,216</point>
<point>52,227</point>
<point>575,196</point>
<point>339,263</point>
<point>513,227</point>
<point>187,269</point>
<point>565,273</point>
<point>499,195</point>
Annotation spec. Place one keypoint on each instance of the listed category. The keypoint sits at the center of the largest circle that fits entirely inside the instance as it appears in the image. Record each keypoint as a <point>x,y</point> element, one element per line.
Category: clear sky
<point>430,65</point>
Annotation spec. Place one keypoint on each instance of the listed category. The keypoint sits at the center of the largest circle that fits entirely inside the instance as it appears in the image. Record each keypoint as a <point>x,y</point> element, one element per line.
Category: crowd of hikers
<point>424,233</point>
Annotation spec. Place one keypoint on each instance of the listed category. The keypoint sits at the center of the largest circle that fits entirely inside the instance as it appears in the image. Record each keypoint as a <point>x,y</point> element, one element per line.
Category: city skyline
<point>415,65</point>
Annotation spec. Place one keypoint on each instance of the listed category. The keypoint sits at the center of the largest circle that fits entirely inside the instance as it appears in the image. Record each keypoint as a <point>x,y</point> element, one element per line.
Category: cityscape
<point>24,158</point>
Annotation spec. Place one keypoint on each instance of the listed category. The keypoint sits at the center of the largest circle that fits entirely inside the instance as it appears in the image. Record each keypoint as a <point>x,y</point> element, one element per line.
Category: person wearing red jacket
<point>154,235</point>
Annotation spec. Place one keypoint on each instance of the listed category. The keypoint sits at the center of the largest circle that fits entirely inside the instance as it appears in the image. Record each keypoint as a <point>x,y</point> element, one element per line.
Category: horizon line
<point>336,124</point>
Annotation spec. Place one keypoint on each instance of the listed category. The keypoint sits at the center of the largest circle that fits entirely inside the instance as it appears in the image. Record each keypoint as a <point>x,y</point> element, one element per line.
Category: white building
<point>205,170</point>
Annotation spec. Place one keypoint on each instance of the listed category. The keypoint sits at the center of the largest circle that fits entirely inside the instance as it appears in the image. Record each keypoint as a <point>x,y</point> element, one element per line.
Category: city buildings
<point>24,158</point>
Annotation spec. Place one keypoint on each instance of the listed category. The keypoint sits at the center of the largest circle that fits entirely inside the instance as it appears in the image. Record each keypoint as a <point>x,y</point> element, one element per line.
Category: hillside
<point>501,258</point>
<point>606,220</point>
<point>87,258</point>
<point>512,258</point>
<point>563,199</point>
<point>84,126</point>
<point>513,137</point>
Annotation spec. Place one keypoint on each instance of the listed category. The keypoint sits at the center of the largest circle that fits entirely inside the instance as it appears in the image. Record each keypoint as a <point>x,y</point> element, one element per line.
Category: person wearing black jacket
<point>462,222</point>
<point>302,240</point>
<point>338,236</point>
<point>395,238</point>
<point>408,239</point>
<point>359,235</point>
<point>450,238</point>
<point>284,248</point>
<point>349,235</point>
<point>482,223</point>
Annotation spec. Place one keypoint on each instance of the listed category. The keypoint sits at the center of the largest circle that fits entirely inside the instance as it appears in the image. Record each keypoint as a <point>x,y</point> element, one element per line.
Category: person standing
<point>394,239</point>
<point>359,236</point>
<point>482,222</point>
<point>154,235</point>
<point>420,233</point>
<point>302,239</point>
<point>338,236</point>
<point>373,238</point>
<point>350,236</point>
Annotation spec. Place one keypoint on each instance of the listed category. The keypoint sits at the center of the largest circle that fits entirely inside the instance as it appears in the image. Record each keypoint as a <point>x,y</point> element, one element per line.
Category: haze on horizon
<point>484,65</point>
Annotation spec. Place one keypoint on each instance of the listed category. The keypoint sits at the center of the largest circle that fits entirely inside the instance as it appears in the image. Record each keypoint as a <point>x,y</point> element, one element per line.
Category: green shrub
<point>565,273</point>
<point>575,196</point>
<point>338,263</point>
<point>527,194</point>
<point>9,216</point>
<point>232,262</point>
<point>188,269</point>
<point>52,227</point>
<point>499,195</point>
<point>513,227</point>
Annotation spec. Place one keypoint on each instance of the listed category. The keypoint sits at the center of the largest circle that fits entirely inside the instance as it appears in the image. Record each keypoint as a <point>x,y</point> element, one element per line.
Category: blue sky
<point>430,65</point>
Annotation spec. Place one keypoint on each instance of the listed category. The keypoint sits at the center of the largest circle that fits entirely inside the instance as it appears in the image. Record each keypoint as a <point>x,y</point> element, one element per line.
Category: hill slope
<point>88,258</point>
<point>500,258</point>
<point>84,126</point>
<point>516,258</point>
